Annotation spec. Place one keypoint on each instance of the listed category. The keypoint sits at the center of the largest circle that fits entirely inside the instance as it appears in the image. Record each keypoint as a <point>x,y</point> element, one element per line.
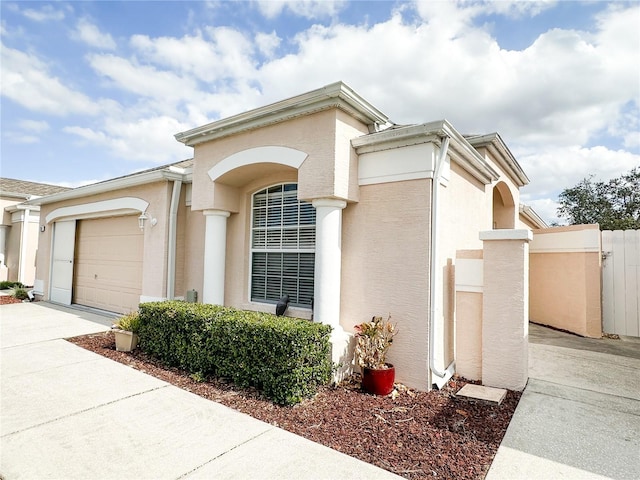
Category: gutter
<point>443,376</point>
<point>172,234</point>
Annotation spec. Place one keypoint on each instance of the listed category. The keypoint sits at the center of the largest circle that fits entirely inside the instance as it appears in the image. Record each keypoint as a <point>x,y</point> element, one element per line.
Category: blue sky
<point>95,90</point>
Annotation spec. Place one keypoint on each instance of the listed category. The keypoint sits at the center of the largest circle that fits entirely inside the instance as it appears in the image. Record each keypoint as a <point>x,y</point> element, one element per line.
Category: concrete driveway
<point>67,413</point>
<point>579,416</point>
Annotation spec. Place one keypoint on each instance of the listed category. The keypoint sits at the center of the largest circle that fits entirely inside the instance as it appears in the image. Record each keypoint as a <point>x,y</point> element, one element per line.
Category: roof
<point>460,150</point>
<point>10,187</point>
<point>173,171</point>
<point>494,143</point>
<point>336,95</point>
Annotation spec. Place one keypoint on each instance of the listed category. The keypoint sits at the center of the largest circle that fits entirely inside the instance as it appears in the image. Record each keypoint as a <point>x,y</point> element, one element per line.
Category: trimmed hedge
<point>286,358</point>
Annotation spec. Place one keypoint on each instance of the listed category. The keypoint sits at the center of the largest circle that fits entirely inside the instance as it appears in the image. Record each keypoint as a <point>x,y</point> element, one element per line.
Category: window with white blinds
<point>283,239</point>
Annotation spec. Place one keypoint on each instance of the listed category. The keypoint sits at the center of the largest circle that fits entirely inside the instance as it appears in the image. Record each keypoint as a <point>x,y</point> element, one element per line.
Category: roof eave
<point>531,215</point>
<point>336,95</point>
<point>110,185</point>
<point>507,161</point>
<point>459,149</point>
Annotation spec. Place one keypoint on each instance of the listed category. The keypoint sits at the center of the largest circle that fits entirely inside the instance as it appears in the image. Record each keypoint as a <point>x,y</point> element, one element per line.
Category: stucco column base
<point>342,345</point>
<point>505,309</point>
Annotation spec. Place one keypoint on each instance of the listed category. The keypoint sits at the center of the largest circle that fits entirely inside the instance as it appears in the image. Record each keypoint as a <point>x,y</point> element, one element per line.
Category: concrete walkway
<point>67,413</point>
<point>579,416</point>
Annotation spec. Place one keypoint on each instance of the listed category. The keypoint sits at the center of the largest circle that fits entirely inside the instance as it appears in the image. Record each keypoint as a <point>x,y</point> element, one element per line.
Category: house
<point>19,228</point>
<point>320,197</point>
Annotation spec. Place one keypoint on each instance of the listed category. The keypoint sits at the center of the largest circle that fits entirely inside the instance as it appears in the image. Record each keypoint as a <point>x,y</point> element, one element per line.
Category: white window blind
<point>283,233</point>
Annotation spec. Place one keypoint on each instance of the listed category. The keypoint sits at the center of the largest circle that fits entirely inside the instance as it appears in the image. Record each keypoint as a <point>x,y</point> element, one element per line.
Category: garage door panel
<point>108,272</point>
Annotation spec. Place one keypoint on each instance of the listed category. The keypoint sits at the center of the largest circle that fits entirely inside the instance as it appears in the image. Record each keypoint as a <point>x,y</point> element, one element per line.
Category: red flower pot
<point>379,381</point>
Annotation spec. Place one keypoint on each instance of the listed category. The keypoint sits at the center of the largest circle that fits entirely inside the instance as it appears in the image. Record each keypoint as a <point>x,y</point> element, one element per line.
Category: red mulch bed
<point>7,299</point>
<point>417,435</point>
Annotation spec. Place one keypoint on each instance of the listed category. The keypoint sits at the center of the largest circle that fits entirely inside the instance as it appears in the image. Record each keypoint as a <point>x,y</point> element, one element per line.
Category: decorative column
<point>505,310</point>
<point>328,269</point>
<point>215,253</point>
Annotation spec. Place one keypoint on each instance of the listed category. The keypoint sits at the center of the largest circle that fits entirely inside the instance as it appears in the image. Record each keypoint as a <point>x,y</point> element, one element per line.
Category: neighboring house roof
<point>174,171</point>
<point>336,95</point>
<point>10,187</point>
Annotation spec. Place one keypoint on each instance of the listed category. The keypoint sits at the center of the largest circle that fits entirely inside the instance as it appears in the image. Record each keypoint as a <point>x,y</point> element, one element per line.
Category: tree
<point>614,205</point>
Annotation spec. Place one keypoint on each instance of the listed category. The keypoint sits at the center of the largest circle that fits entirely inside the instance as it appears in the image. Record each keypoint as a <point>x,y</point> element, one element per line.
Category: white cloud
<point>216,54</point>
<point>142,80</point>
<point>44,14</point>
<point>267,43</point>
<point>310,9</point>
<point>89,33</point>
<point>555,169</point>
<point>37,126</point>
<point>143,139</point>
<point>27,81</point>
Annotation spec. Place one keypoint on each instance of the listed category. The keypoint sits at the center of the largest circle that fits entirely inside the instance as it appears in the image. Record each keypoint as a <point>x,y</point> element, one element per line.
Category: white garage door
<point>108,264</point>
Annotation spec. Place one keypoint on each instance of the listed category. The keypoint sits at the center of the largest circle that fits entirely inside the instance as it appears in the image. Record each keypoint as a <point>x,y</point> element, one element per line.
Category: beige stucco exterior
<point>381,277</point>
<point>394,205</point>
<point>19,229</point>
<point>565,278</point>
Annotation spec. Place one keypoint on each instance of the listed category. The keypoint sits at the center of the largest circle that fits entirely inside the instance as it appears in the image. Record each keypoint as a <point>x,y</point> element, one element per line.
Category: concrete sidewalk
<point>579,416</point>
<point>69,413</point>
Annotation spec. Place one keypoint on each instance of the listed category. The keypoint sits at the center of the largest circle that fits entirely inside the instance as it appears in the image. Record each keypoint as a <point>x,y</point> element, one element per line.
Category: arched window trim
<point>282,246</point>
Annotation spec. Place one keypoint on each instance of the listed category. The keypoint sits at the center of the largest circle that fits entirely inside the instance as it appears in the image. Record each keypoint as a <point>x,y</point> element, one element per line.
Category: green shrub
<point>286,358</point>
<point>20,293</point>
<point>4,285</point>
<point>129,322</point>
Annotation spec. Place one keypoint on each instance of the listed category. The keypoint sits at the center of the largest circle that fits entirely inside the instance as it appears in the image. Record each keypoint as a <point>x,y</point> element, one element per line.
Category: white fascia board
<point>336,95</point>
<point>460,151</point>
<point>530,214</point>
<point>109,185</point>
<point>400,137</point>
<point>507,161</point>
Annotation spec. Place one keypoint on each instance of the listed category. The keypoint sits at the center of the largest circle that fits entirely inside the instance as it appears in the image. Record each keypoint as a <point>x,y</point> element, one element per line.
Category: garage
<point>108,263</point>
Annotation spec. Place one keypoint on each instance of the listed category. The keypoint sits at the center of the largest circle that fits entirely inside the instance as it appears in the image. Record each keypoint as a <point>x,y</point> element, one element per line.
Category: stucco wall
<point>469,284</point>
<point>565,279</point>
<point>155,244</point>
<point>385,269</point>
<point>326,172</point>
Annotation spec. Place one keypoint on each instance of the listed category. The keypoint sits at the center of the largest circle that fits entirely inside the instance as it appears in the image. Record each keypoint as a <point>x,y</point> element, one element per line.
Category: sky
<point>95,90</point>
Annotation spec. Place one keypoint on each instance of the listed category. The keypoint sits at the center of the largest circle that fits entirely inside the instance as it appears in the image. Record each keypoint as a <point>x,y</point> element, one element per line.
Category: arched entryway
<point>504,209</point>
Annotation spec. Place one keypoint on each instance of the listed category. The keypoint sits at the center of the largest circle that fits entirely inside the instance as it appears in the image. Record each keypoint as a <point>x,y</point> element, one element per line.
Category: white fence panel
<point>621,282</point>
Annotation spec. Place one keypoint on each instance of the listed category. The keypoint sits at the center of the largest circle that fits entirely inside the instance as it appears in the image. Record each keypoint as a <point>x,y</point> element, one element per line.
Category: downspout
<point>172,234</point>
<point>24,238</point>
<point>448,372</point>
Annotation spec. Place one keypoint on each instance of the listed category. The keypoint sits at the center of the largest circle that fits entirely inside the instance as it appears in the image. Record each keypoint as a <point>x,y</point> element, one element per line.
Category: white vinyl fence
<point>621,282</point>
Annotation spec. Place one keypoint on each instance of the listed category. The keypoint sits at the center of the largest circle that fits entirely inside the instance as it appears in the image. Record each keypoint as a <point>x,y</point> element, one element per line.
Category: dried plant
<point>373,340</point>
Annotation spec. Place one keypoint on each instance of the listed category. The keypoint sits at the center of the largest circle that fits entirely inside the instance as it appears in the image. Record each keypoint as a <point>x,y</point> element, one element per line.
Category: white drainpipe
<point>435,215</point>
<point>23,246</point>
<point>171,247</point>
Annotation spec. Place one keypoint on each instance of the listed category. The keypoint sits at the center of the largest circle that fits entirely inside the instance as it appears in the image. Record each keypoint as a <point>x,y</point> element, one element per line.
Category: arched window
<point>283,239</point>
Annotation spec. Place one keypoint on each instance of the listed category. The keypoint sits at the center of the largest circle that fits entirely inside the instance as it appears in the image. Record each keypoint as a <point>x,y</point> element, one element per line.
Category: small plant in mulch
<point>20,293</point>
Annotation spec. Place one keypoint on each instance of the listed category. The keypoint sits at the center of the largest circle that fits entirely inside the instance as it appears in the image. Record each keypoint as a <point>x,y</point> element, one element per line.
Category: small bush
<point>286,358</point>
<point>20,293</point>
<point>129,322</point>
<point>5,285</point>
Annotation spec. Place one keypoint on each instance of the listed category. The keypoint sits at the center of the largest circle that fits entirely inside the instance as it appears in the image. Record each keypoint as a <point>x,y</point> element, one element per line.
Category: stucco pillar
<point>215,253</point>
<point>505,309</point>
<point>328,269</point>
